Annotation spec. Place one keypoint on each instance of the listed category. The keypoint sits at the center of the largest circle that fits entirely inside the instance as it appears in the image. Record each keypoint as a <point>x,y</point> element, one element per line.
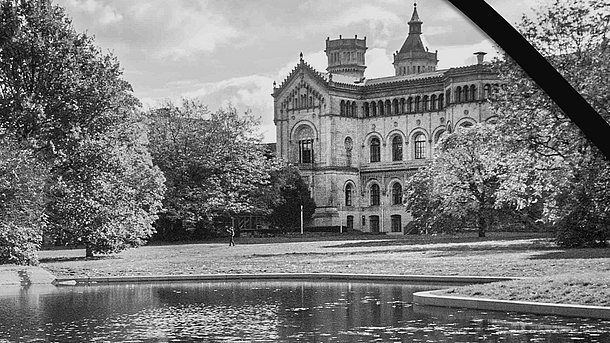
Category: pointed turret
<point>413,57</point>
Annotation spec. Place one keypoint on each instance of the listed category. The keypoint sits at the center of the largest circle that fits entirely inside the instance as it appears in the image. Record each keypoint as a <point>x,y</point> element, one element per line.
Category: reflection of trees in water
<point>285,311</point>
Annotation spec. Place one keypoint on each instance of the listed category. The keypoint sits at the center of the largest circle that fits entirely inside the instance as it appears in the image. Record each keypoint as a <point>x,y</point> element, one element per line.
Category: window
<point>410,105</point>
<point>306,151</point>
<point>380,107</point>
<point>396,223</point>
<point>473,93</point>
<point>433,102</point>
<point>350,222</point>
<point>458,95</point>
<point>397,148</point>
<point>465,94</point>
<point>420,146</point>
<point>388,107</point>
<point>375,150</point>
<point>366,109</point>
<point>486,91</point>
<point>396,194</point>
<point>342,106</point>
<point>348,195</point>
<point>441,102</point>
<point>354,109</point>
<point>395,105</point>
<point>373,109</point>
<point>403,104</point>
<point>375,195</point>
<point>417,104</point>
<point>374,223</point>
<point>425,101</point>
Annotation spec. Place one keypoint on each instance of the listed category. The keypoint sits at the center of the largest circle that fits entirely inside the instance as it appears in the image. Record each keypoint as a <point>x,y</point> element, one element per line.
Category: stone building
<point>357,140</point>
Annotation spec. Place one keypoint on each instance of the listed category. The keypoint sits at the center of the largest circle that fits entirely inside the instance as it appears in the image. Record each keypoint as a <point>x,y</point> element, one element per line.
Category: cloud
<point>162,29</point>
<point>104,14</point>
<point>251,93</point>
<point>460,55</point>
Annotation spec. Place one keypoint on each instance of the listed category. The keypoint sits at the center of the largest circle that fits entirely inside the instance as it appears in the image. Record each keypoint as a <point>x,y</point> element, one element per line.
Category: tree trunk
<point>88,251</point>
<point>482,225</point>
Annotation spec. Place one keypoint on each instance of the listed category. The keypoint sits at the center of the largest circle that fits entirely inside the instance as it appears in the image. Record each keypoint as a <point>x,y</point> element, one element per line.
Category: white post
<point>301,219</point>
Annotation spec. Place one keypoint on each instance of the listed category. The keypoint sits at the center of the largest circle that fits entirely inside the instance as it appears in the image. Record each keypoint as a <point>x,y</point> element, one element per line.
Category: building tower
<point>413,57</point>
<point>346,56</point>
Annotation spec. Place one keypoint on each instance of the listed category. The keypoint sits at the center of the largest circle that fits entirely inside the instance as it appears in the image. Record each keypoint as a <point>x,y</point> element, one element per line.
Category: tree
<point>564,168</point>
<point>62,94</point>
<point>213,162</point>
<point>291,193</point>
<point>22,183</point>
<point>459,187</point>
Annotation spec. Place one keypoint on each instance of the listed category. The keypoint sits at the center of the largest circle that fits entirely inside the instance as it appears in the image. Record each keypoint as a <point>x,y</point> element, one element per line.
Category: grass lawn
<point>577,276</point>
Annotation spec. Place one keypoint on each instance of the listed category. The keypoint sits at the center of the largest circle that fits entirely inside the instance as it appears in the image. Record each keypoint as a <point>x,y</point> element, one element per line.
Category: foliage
<point>108,192</point>
<point>557,163</point>
<point>213,162</point>
<point>291,193</point>
<point>22,183</point>
<point>60,92</point>
<point>459,188</point>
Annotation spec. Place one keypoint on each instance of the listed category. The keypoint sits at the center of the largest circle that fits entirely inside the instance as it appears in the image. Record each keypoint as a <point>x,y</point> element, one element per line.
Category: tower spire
<point>413,56</point>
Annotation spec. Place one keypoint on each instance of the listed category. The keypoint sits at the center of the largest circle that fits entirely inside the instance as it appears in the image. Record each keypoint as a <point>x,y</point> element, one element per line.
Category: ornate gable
<point>303,88</point>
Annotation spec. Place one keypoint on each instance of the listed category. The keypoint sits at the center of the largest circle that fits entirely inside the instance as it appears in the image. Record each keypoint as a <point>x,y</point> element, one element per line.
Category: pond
<point>265,312</point>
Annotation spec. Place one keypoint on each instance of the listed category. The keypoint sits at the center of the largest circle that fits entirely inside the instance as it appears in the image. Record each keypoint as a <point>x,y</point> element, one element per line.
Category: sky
<point>229,52</point>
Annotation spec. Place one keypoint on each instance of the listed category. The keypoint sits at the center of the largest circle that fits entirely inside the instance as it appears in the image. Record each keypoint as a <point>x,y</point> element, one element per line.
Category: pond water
<point>265,312</point>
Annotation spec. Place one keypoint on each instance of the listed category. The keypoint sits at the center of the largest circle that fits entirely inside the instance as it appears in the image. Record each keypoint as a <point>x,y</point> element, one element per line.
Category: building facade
<point>357,140</point>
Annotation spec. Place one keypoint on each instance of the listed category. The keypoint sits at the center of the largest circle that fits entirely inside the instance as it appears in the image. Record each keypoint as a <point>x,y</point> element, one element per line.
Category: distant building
<point>357,140</point>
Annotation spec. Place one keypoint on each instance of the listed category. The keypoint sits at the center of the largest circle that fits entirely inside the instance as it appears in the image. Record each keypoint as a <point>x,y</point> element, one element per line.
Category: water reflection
<point>264,312</point>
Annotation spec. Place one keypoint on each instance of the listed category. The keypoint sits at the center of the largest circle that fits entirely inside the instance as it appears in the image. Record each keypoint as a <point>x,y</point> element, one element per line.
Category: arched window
<point>373,109</point>
<point>380,107</point>
<point>486,90</point>
<point>397,148</point>
<point>425,103</point>
<point>441,101</point>
<point>366,109</point>
<point>417,104</point>
<point>311,101</point>
<point>305,137</point>
<point>342,108</point>
<point>375,197</point>
<point>410,105</point>
<point>448,97</point>
<point>458,94</point>
<point>388,108</point>
<point>473,93</point>
<point>348,194</point>
<point>396,194</point>
<point>403,105</point>
<point>375,150</point>
<point>433,102</point>
<point>395,105</point>
<point>354,109</point>
<point>420,146</point>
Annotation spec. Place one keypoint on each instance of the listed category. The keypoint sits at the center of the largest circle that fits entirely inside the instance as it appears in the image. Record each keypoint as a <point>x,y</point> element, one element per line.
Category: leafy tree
<point>291,193</point>
<point>459,187</point>
<point>22,182</point>
<point>213,162</point>
<point>561,166</point>
<point>60,92</point>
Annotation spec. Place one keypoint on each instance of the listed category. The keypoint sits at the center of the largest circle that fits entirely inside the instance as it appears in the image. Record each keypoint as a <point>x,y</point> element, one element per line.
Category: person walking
<point>231,232</point>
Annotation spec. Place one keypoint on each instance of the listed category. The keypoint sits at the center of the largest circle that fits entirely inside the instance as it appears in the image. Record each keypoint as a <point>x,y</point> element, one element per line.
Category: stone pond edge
<point>427,298</point>
<point>434,298</point>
